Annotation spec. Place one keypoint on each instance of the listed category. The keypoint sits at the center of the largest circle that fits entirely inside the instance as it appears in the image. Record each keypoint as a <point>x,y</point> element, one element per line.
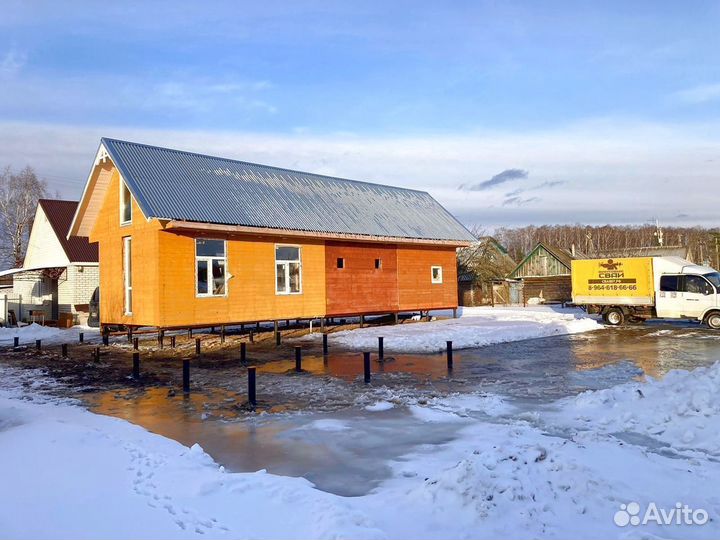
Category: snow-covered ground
<point>475,327</point>
<point>31,332</point>
<point>559,472</point>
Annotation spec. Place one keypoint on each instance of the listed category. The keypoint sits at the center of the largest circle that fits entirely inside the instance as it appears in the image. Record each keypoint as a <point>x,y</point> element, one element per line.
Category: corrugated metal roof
<point>60,215</point>
<point>173,184</point>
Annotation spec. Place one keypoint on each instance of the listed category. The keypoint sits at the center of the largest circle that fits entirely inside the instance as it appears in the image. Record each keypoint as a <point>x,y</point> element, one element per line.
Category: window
<point>378,264</point>
<point>125,204</point>
<point>210,267</point>
<point>669,283</point>
<point>341,262</point>
<point>436,274</point>
<point>127,273</point>
<point>697,285</point>
<point>288,270</point>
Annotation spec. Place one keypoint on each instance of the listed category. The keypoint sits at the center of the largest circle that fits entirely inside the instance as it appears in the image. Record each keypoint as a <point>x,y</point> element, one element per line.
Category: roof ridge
<point>274,167</point>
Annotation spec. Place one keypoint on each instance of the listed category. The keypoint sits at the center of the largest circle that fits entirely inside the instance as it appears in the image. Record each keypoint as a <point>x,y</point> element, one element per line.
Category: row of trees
<point>19,194</point>
<point>592,240</point>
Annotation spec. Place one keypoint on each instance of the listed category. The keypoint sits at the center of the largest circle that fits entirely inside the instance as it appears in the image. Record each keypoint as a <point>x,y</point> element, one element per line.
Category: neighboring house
<point>545,274</point>
<point>59,275</point>
<point>191,240</point>
<point>482,267</point>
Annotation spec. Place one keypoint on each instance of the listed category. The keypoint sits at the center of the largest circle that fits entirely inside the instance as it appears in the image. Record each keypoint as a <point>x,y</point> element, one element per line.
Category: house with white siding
<point>60,276</point>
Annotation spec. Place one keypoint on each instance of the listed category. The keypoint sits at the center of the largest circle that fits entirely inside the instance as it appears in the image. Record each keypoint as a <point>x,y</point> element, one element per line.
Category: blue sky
<point>431,95</point>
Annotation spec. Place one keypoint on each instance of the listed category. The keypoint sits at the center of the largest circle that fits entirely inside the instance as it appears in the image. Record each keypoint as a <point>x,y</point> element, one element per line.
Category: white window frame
<point>123,187</point>
<point>432,275</point>
<point>287,262</point>
<point>127,274</point>
<point>209,260</point>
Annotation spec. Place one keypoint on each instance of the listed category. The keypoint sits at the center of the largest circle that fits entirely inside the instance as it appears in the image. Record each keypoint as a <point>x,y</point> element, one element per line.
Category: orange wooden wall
<point>415,287</point>
<point>109,234</point>
<point>250,289</point>
<point>359,287</point>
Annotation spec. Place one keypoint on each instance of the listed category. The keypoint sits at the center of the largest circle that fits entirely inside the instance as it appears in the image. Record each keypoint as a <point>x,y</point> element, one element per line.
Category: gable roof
<point>60,215</point>
<point>183,186</point>
<point>563,256</point>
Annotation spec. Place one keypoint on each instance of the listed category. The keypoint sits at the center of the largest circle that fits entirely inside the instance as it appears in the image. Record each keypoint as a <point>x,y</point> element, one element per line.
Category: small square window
<point>341,262</point>
<point>378,264</point>
<point>436,274</point>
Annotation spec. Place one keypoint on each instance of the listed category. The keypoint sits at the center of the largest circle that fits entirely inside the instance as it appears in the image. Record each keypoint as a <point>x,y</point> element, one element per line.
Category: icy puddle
<point>317,424</point>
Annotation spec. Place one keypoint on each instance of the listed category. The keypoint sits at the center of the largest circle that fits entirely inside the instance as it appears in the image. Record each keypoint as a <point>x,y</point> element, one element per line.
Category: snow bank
<point>70,473</point>
<point>475,328</point>
<point>28,334</point>
<point>681,410</point>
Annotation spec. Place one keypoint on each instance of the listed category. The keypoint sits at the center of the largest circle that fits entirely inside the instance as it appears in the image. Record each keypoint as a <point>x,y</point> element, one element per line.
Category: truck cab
<point>690,293</point>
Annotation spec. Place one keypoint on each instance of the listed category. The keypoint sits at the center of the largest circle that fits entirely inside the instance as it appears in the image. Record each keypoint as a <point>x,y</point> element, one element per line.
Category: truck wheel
<point>614,317</point>
<point>713,321</point>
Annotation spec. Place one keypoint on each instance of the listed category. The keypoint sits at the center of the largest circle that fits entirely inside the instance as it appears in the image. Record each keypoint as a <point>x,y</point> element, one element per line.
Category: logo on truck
<point>611,277</point>
<point>612,270</point>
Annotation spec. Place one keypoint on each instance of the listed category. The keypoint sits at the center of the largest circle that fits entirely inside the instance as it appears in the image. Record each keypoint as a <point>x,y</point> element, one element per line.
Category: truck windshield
<point>713,278</point>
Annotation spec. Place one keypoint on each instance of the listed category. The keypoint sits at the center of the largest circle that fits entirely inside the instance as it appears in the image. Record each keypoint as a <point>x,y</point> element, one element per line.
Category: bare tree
<point>19,194</point>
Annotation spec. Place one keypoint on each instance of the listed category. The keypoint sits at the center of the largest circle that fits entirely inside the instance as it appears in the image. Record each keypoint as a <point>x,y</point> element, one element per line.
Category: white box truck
<point>639,288</point>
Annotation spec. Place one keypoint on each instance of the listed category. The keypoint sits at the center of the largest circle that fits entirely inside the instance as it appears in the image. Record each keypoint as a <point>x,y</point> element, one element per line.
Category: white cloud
<point>612,171</point>
<point>699,94</point>
<point>12,62</point>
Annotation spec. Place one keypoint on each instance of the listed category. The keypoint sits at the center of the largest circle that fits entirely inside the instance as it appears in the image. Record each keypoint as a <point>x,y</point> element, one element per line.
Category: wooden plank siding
<point>540,262</point>
<point>164,281</point>
<point>359,287</point>
<point>109,234</point>
<point>415,287</point>
<point>550,289</point>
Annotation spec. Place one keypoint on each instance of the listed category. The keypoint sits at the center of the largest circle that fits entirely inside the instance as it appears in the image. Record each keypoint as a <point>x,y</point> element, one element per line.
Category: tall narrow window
<point>378,264</point>
<point>436,274</point>
<point>127,273</point>
<point>210,267</point>
<point>288,270</point>
<point>125,204</point>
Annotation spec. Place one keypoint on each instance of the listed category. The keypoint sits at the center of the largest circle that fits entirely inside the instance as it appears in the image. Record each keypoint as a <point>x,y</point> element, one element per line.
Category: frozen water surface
<point>330,428</point>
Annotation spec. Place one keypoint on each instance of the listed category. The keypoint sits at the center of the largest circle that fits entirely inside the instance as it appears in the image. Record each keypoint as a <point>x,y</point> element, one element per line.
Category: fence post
<point>38,344</point>
<point>16,341</point>
<point>172,341</point>
<point>136,365</point>
<point>105,337</point>
<point>222,334</point>
<point>449,355</point>
<point>96,354</point>
<point>381,348</point>
<point>251,336</point>
<point>325,343</point>
<point>136,343</point>
<point>197,346</point>
<point>243,352</point>
<point>81,337</point>
<point>63,348</point>
<point>252,395</point>
<point>366,367</point>
<point>278,337</point>
<point>298,358</point>
<point>161,338</point>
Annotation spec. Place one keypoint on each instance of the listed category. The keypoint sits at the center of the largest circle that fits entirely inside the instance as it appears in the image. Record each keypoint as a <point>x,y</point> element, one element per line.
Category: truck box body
<point>625,281</point>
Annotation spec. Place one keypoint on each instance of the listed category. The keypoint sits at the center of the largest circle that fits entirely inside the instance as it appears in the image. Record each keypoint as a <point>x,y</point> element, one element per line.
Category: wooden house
<point>194,240</point>
<point>482,267</point>
<point>59,276</point>
<point>545,274</point>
